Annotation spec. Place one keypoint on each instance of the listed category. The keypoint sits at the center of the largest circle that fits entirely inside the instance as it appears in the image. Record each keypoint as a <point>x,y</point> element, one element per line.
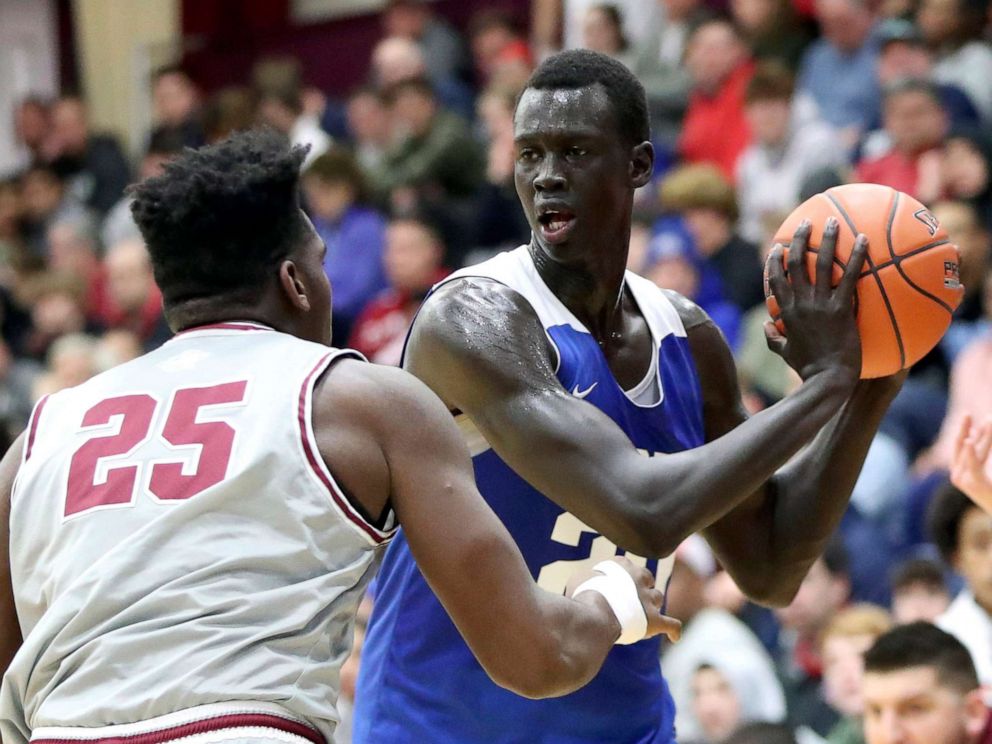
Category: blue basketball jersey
<point>419,682</point>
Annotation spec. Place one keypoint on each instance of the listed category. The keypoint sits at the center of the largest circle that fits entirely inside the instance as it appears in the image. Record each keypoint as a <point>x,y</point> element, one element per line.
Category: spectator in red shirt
<point>916,122</point>
<point>413,263</point>
<point>715,129</point>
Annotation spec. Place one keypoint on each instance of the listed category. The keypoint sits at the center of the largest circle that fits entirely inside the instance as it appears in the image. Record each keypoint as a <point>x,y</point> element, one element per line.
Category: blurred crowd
<point>755,106</point>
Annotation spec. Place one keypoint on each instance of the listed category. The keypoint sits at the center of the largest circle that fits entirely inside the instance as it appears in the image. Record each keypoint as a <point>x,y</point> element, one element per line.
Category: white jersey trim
<point>198,714</point>
<point>374,535</point>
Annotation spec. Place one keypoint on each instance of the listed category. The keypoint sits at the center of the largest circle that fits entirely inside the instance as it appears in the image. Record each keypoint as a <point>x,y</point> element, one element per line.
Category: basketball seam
<point>898,264</point>
<point>908,254</point>
<point>881,287</point>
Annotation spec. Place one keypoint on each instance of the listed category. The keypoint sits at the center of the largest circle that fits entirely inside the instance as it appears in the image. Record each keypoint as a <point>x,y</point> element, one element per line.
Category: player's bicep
<point>10,631</point>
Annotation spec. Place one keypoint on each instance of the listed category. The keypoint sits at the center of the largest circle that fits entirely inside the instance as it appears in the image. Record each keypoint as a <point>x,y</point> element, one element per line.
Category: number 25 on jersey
<point>104,471</point>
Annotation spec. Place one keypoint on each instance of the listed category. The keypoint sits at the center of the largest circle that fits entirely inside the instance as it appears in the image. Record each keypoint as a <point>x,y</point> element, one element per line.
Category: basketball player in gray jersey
<point>186,537</point>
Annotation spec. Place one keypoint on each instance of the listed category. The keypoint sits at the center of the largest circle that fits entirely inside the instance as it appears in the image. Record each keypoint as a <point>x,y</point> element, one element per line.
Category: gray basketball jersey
<point>177,543</point>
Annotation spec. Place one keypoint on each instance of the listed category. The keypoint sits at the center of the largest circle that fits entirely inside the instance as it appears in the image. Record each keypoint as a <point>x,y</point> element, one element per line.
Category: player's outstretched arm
<point>481,347</point>
<point>10,629</point>
<point>384,434</point>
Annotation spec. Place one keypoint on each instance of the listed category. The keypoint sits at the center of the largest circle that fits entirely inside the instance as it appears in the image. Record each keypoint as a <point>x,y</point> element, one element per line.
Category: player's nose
<point>550,176</point>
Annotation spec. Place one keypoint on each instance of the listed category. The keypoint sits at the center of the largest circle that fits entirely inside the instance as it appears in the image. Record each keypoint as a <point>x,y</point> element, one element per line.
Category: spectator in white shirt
<point>963,533</point>
<point>783,154</point>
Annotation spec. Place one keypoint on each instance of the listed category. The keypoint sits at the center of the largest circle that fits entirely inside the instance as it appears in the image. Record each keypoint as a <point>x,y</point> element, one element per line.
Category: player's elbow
<point>769,588</point>
<point>539,673</point>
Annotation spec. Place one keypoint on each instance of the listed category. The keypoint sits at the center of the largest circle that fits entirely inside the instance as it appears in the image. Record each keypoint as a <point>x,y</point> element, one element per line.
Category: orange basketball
<point>910,284</point>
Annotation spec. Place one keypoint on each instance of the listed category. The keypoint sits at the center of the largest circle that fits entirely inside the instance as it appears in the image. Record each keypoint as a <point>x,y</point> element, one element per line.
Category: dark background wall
<point>224,37</point>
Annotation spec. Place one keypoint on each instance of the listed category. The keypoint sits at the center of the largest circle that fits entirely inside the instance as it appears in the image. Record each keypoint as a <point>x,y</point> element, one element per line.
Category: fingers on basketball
<point>909,285</point>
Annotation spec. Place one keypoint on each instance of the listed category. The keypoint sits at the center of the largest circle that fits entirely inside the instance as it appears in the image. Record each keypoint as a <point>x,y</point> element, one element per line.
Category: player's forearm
<point>689,491</point>
<point>572,639</point>
<point>812,492</point>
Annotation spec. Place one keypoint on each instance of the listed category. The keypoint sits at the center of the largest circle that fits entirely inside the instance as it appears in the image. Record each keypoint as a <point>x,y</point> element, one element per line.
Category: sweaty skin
<point>766,512</point>
<point>389,440</point>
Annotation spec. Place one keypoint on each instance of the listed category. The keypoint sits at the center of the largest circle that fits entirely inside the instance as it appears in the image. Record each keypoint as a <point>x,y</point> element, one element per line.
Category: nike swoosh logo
<point>583,393</point>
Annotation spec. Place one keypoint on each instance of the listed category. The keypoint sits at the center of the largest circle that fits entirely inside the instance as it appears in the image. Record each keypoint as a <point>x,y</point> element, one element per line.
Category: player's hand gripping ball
<point>910,284</point>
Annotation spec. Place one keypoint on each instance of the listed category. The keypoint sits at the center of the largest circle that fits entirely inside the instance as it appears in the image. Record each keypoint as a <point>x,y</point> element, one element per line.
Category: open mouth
<point>556,224</point>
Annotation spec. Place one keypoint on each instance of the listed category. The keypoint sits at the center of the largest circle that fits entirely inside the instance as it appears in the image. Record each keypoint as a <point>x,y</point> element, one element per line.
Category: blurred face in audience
<point>966,172</point>
<point>488,45</point>
<point>713,52</point>
<point>938,20</point>
<point>715,704</point>
<point>914,121</point>
<point>70,128</point>
<point>56,313</point>
<point>755,15</point>
<point>600,33</point>
<point>405,19</point>
<point>844,23</point>
<point>413,112</point>
<point>769,120</point>
<point>397,58</point>
<point>368,120</point>
<point>174,98</point>
<point>41,192</point>
<point>31,124</point>
<point>899,59</point>
<point>11,208</point>
<point>413,256</point>
<point>911,706</point>
<point>918,602</point>
<point>819,597</point>
<point>843,668</point>
<point>677,10</point>
<point>676,273</point>
<point>973,559</point>
<point>972,239</point>
<point>129,275</point>
<point>327,199</point>
<point>70,251</point>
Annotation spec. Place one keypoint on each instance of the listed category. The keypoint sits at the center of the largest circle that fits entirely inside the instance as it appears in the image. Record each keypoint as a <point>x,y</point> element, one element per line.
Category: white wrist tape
<point>618,588</point>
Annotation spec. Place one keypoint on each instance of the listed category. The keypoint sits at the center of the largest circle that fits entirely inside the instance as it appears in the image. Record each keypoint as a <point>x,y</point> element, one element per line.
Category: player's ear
<point>641,164</point>
<point>292,286</point>
<point>976,712</point>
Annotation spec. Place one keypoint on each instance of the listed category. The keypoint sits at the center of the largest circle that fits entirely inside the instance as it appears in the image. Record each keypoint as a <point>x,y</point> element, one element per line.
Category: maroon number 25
<point>167,481</point>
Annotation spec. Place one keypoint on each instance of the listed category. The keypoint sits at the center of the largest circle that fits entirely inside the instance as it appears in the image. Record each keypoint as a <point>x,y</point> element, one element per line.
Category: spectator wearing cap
<point>915,122</point>
<point>962,532</point>
<point>904,54</point>
<point>673,263</point>
<point>709,634</point>
<point>825,590</point>
<point>952,29</point>
<point>354,233</point>
<point>782,156</point>
<point>707,203</point>
<point>838,70</point>
<point>715,129</point>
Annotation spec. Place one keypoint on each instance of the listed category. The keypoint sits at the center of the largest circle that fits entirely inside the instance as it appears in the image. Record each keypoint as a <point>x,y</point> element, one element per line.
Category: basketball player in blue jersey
<point>604,416</point>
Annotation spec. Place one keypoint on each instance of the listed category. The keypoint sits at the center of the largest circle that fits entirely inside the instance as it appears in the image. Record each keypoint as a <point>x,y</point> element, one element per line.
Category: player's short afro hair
<point>580,68</point>
<point>221,218</point>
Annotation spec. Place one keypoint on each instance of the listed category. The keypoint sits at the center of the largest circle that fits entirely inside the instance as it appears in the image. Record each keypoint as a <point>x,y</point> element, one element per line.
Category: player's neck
<point>592,289</point>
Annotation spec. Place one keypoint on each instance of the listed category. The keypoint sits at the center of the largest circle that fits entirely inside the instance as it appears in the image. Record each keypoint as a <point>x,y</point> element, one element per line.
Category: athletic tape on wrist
<point>620,592</point>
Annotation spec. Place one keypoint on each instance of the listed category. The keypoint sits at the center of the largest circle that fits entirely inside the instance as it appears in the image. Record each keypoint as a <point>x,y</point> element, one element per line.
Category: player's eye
<point>576,152</point>
<point>527,155</point>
